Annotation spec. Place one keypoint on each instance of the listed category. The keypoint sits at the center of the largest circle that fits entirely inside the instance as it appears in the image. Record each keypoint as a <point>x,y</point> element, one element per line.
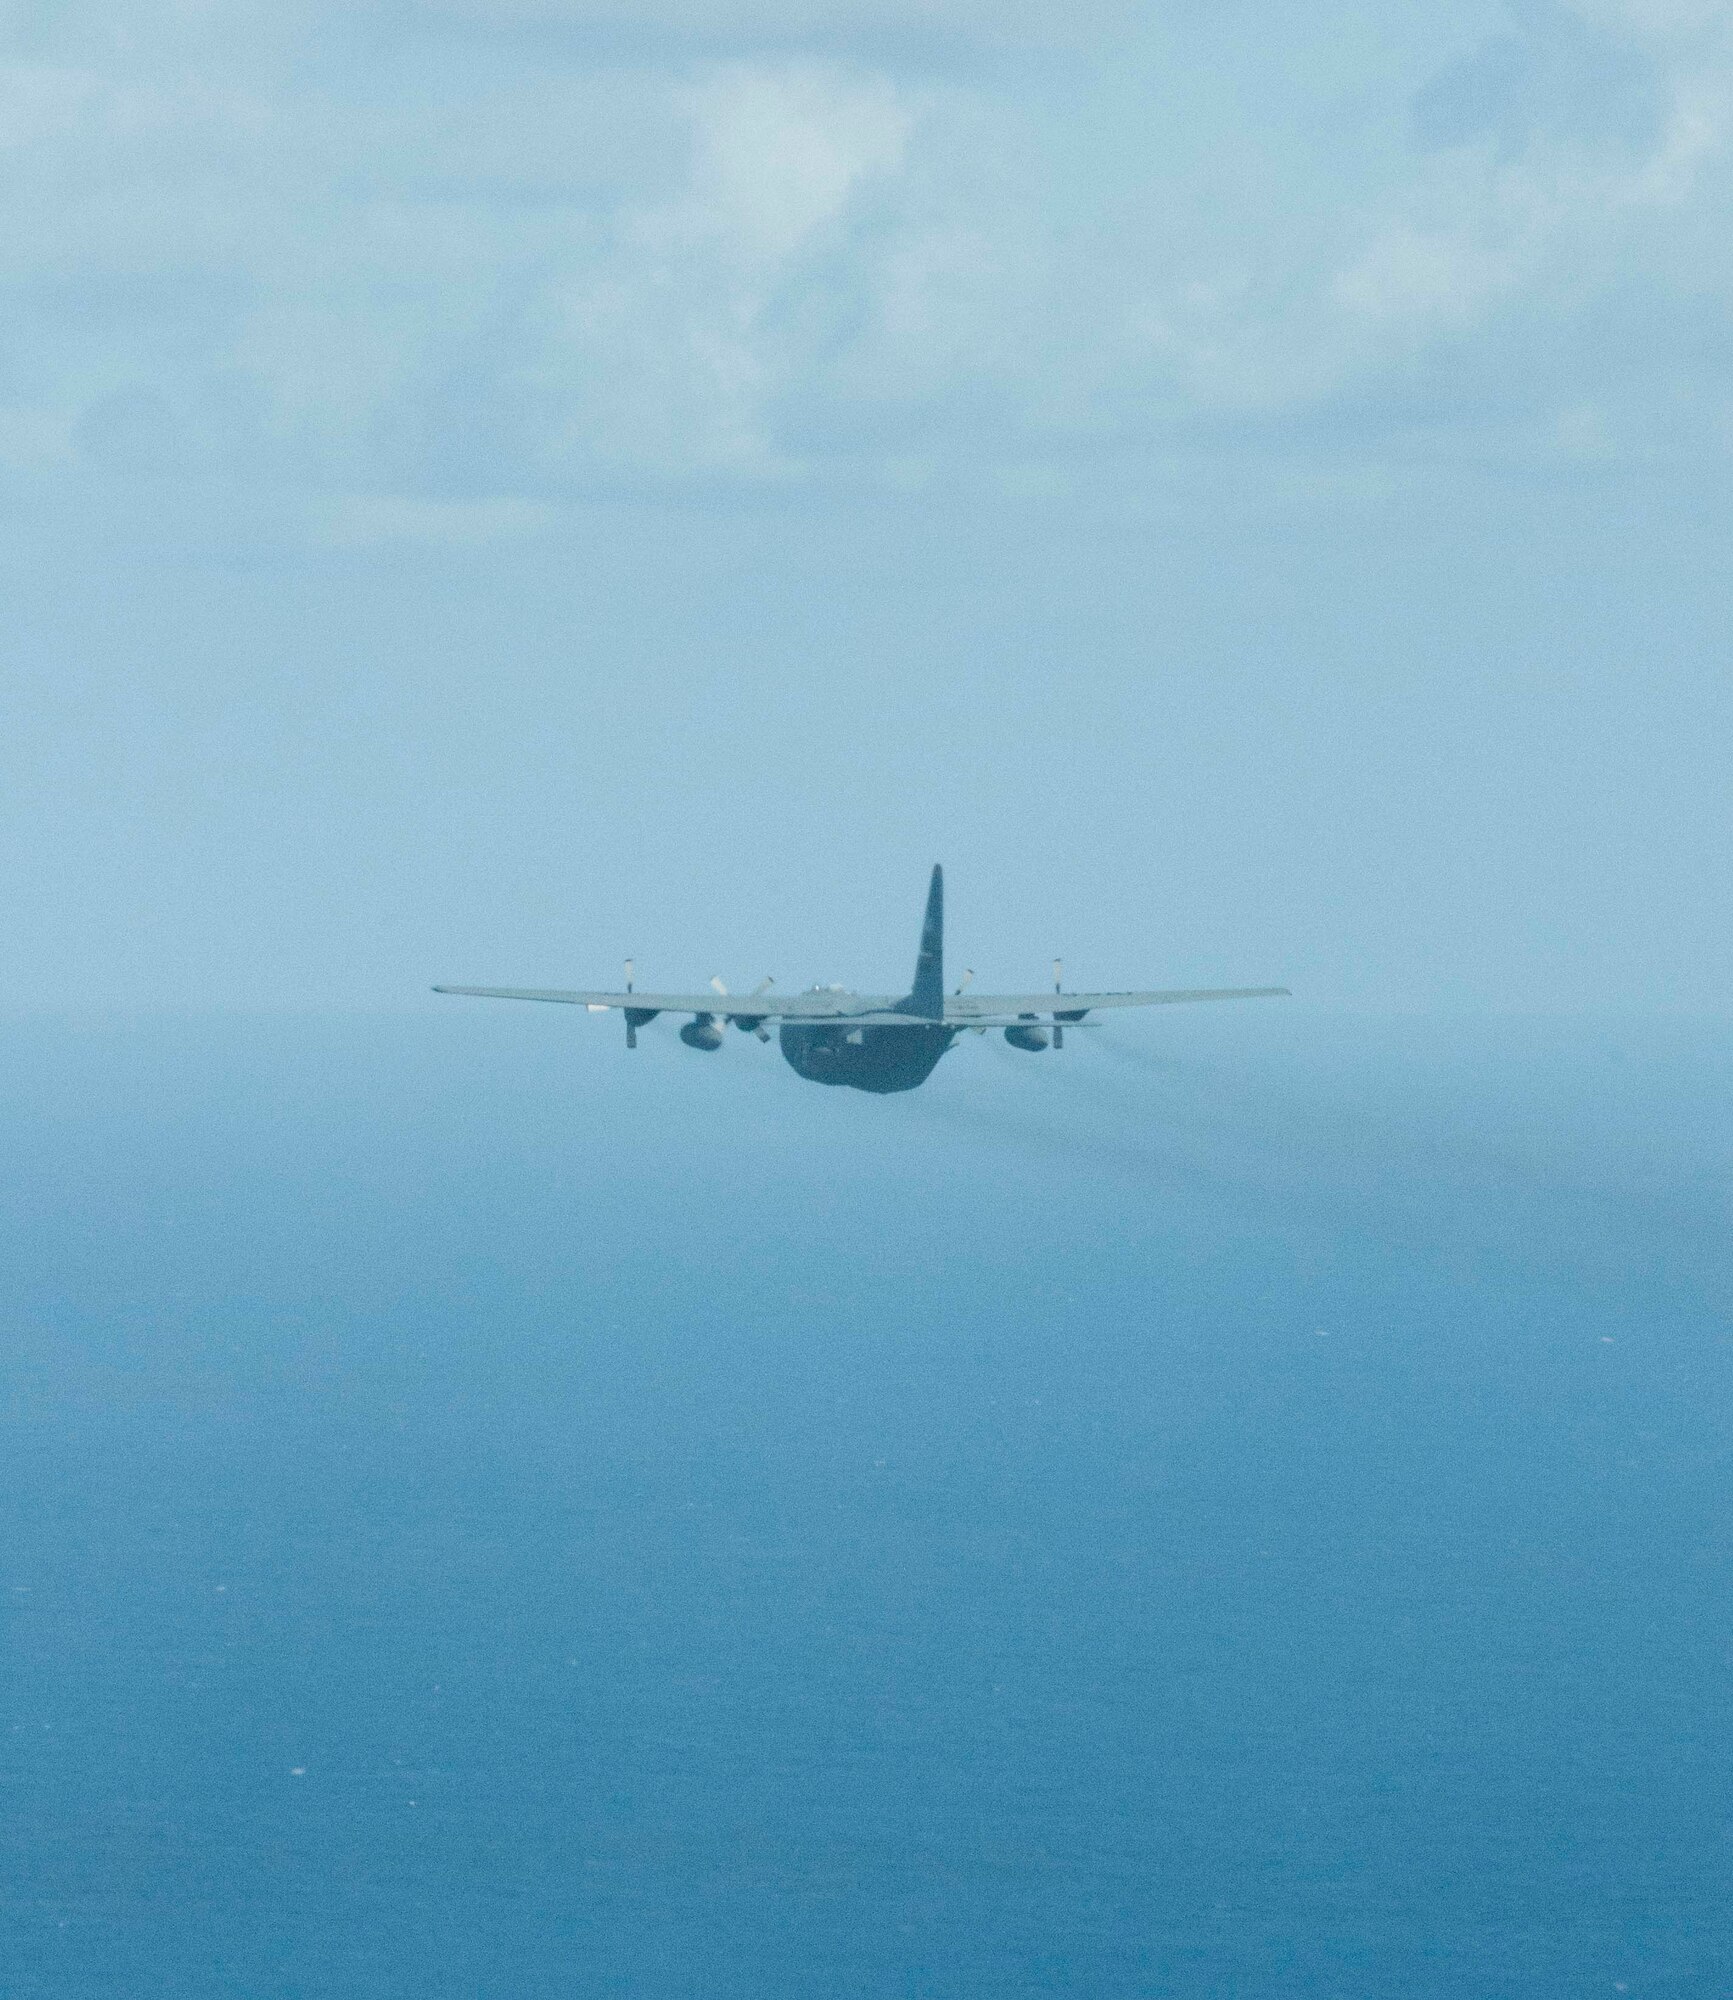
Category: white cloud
<point>822,24</point>
<point>780,153</point>
<point>669,345</point>
<point>1481,261</point>
<point>1695,138</point>
<point>220,254</point>
<point>1411,273</point>
<point>1486,225</point>
<point>1668,20</point>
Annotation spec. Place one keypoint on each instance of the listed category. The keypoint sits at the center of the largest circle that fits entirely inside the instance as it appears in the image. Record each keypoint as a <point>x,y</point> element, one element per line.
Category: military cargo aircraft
<point>866,1041</point>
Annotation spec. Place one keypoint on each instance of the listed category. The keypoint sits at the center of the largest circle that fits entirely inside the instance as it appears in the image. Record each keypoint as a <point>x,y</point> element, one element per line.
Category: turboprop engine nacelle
<point>703,1033</point>
<point>1033,1037</point>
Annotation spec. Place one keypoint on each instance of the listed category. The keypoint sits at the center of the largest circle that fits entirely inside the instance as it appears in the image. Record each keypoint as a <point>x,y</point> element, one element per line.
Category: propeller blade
<point>968,974</point>
<point>1058,987</point>
<point>716,981</point>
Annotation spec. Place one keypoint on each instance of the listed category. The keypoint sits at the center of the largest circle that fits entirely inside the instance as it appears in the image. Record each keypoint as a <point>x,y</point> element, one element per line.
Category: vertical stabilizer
<point>928,995</point>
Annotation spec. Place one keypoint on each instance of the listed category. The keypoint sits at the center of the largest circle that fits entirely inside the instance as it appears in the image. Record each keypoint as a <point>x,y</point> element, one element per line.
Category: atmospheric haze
<point>494,488</point>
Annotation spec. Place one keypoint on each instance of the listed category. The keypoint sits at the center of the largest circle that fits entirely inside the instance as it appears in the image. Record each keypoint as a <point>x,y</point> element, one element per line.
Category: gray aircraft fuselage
<point>876,1059</point>
<point>884,1059</point>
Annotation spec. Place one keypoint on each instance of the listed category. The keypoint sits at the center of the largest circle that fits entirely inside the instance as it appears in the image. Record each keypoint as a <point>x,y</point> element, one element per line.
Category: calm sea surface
<point>1244,1508</point>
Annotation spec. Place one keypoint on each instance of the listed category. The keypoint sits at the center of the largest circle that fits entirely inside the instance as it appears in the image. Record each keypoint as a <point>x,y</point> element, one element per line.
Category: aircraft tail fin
<point>927,997</point>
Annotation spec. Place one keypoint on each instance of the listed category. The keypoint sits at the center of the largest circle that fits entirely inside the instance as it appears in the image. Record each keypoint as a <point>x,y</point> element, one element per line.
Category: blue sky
<point>485,488</point>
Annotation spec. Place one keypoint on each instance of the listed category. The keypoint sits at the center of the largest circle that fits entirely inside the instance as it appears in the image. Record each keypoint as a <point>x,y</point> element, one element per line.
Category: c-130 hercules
<point>869,1042</point>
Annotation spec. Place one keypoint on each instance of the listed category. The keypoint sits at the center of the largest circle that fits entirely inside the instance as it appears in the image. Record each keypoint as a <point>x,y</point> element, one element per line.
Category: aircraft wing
<point>971,1010</point>
<point>992,1009</point>
<point>747,1006</point>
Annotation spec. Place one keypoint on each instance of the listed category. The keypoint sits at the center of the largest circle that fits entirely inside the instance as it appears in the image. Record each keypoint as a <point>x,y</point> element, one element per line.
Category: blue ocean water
<point>1241,1509</point>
